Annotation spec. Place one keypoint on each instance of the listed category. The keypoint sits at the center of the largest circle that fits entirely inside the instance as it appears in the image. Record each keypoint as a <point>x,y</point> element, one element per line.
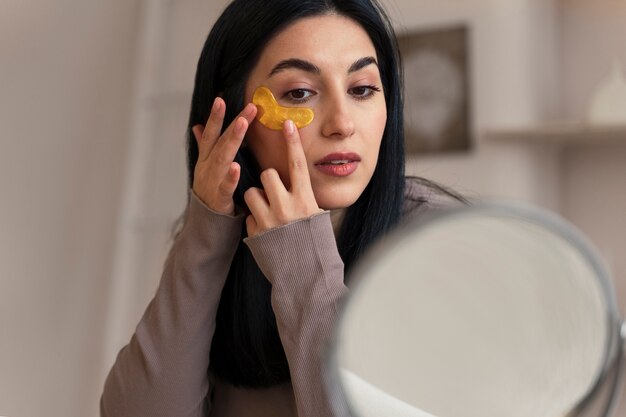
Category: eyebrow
<point>300,64</point>
<point>362,63</point>
<point>296,64</point>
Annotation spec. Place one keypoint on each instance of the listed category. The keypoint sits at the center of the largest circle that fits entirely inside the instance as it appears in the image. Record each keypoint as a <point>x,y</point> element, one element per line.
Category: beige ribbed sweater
<point>162,372</point>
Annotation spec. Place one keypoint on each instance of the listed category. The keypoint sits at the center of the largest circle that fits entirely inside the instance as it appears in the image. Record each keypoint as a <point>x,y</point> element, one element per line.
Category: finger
<point>274,188</point>
<point>206,136</point>
<point>248,113</point>
<point>251,225</point>
<point>198,130</point>
<point>227,147</point>
<point>298,170</point>
<point>224,152</point>
<point>257,203</point>
<point>229,185</point>
<point>214,125</point>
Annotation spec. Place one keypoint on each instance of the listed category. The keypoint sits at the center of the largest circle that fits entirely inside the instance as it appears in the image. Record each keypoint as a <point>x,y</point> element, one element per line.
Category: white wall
<point>593,35</point>
<point>170,38</point>
<point>593,196</point>
<point>65,77</point>
<point>508,40</point>
<point>513,68</point>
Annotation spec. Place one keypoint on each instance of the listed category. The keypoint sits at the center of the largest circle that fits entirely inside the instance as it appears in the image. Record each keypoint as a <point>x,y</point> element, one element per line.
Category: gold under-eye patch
<point>272,115</point>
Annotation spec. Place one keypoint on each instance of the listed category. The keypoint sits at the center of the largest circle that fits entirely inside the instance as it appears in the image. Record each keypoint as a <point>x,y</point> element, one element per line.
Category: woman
<point>250,289</point>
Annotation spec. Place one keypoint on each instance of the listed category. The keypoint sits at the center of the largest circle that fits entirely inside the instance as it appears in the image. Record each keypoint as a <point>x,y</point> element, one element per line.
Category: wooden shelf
<point>563,134</point>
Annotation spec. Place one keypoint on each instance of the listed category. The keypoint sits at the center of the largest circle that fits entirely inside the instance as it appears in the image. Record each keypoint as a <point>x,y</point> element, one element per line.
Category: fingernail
<point>250,108</point>
<point>239,126</point>
<point>216,105</point>
<point>289,127</point>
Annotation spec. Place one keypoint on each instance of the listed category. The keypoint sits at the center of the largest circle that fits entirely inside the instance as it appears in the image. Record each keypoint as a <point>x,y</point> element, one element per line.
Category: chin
<point>335,200</point>
<point>339,194</point>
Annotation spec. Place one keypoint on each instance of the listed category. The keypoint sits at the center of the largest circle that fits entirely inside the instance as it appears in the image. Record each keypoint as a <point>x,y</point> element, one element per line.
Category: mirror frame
<point>610,377</point>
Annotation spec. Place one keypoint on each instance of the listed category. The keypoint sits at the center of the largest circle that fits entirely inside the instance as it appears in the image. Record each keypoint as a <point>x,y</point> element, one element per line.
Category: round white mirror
<point>486,311</point>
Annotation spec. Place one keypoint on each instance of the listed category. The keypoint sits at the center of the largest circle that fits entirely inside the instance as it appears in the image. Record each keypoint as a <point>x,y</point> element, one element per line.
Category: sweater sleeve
<point>163,369</point>
<point>302,263</point>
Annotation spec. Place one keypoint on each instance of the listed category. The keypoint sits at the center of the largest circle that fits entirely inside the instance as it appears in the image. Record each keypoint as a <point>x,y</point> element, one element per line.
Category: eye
<point>299,95</point>
<point>363,92</point>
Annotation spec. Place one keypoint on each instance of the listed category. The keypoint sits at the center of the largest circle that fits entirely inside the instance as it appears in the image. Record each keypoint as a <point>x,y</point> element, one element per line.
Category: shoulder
<point>422,196</point>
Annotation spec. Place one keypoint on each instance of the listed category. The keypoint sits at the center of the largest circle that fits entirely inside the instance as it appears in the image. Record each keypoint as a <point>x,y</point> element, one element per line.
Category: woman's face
<point>326,63</point>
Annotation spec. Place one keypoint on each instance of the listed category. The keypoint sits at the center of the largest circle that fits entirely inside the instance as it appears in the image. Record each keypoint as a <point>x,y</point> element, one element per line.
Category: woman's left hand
<point>275,205</point>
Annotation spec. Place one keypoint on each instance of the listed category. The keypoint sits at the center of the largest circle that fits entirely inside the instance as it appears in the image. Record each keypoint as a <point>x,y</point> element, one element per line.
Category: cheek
<point>373,117</point>
<point>381,122</point>
<point>268,147</point>
<point>376,123</point>
<point>382,115</point>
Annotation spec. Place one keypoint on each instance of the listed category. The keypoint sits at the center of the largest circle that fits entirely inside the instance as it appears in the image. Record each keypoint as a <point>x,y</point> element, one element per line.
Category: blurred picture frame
<point>437,90</point>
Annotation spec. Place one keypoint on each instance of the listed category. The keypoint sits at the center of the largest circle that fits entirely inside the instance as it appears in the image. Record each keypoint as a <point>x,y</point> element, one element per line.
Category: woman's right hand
<point>216,174</point>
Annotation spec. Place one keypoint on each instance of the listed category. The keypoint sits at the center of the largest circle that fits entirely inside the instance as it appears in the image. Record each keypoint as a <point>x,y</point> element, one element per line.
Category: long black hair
<point>246,349</point>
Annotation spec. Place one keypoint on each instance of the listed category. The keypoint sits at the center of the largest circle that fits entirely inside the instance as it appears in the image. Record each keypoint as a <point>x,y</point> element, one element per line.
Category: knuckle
<point>221,159</point>
<point>301,209</point>
<point>223,189</point>
<point>298,164</point>
<point>281,215</point>
<point>268,174</point>
<point>249,194</point>
<point>216,116</point>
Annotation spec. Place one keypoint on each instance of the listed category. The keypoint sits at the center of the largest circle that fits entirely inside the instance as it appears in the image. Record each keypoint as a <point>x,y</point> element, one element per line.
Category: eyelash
<point>371,90</point>
<point>289,96</point>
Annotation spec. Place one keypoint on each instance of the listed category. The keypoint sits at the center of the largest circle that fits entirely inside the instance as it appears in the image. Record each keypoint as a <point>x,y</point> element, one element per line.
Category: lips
<point>339,164</point>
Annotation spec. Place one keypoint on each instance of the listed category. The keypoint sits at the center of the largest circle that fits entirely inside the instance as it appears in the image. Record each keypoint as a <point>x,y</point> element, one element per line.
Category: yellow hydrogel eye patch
<point>272,115</point>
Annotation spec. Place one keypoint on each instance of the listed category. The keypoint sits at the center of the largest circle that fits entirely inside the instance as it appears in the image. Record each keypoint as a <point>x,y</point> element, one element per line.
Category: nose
<point>338,122</point>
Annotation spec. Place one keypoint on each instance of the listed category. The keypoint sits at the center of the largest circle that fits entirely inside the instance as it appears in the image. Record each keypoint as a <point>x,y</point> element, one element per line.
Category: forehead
<point>327,39</point>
